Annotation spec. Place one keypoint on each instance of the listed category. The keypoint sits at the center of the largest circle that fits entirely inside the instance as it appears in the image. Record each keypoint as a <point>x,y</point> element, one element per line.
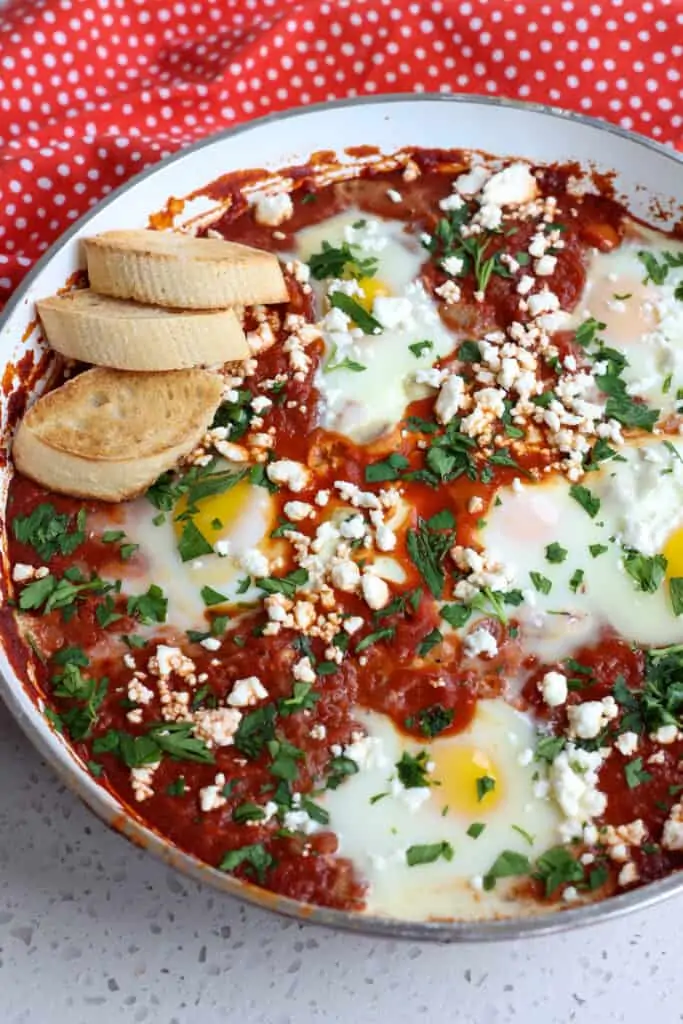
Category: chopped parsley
<point>586,499</point>
<point>542,584</point>
<point>420,347</point>
<point>387,469</point>
<point>428,853</point>
<point>557,867</point>
<point>485,784</point>
<point>341,261</point>
<point>427,548</point>
<point>385,633</point>
<point>647,571</point>
<point>286,585</point>
<point>555,554</point>
<point>49,532</point>
<point>475,829</point>
<point>254,859</point>
<point>50,593</point>
<point>192,542</point>
<point>676,594</point>
<point>412,771</point>
<point>597,549</point>
<point>360,316</point>
<point>635,774</point>
<point>211,597</point>
<point>150,607</point>
<point>431,640</point>
<point>576,580</point>
<point>432,720</point>
<point>507,864</point>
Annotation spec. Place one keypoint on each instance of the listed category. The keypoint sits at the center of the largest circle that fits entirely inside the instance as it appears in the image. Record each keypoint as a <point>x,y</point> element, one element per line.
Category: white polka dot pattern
<point>92,91</point>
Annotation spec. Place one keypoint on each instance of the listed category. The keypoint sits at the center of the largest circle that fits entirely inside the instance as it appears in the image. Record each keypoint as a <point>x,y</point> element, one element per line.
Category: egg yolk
<point>371,289</point>
<point>469,781</point>
<point>673,552</point>
<point>216,513</point>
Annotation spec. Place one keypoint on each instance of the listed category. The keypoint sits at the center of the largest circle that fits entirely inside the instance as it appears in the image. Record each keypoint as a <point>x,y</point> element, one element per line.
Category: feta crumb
<point>395,196</point>
<point>672,836</point>
<point>287,473</point>
<point>303,671</point>
<point>298,510</point>
<point>247,692</point>
<point>218,726</point>
<point>479,642</point>
<point>353,624</point>
<point>453,265</point>
<point>512,186</point>
<point>211,798</point>
<point>553,686</point>
<point>345,575</point>
<point>545,267</point>
<point>450,398</point>
<point>211,643</point>
<point>449,291</point>
<point>627,743</point>
<point>255,563</point>
<point>375,591</point>
<point>587,719</point>
<point>271,209</point>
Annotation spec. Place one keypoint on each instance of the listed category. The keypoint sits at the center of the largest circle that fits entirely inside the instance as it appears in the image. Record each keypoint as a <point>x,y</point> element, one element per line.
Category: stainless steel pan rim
<point>78,780</point>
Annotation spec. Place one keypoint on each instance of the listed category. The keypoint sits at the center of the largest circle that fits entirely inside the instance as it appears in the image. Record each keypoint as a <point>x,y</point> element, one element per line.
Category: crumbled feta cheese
<point>353,528</point>
<point>512,186</point>
<point>303,671</point>
<point>449,291</point>
<point>272,208</point>
<point>479,642</point>
<point>450,398</point>
<point>375,591</point>
<point>222,548</point>
<point>217,726</point>
<point>543,302</point>
<point>367,752</point>
<point>672,836</point>
<point>345,575</point>
<point>395,196</point>
<point>353,624</point>
<point>553,686</point>
<point>627,743</point>
<point>449,203</point>
<point>453,264</point>
<point>545,266</point>
<point>287,473</point>
<point>138,693</point>
<point>432,376</point>
<point>490,216</point>
<point>211,798</point>
<point>298,510</point>
<point>666,734</point>
<point>318,731</point>
<point>168,659</point>
<point>261,404</point>
<point>470,183</point>
<point>574,781</point>
<point>586,720</point>
<point>628,875</point>
<point>247,692</point>
<point>255,562</point>
<point>211,643</point>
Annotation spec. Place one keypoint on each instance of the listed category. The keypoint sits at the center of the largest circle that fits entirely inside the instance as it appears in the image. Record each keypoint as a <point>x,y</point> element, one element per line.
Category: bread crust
<point>182,272</point>
<point>126,335</point>
<point>109,434</point>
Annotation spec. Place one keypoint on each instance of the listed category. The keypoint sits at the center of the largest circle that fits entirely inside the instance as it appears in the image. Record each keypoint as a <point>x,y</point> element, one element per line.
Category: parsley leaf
<point>557,867</point>
<point>635,774</point>
<point>431,640</point>
<point>427,549</point>
<point>542,584</point>
<point>49,532</point>
<point>211,597</point>
<point>150,607</point>
<point>286,585</point>
<point>586,499</point>
<point>367,323</point>
<point>420,347</point>
<point>428,853</point>
<point>387,469</point>
<point>192,542</point>
<point>254,858</point>
<point>507,864</point>
<point>476,829</point>
<point>341,260</point>
<point>676,594</point>
<point>485,784</point>
<point>432,720</point>
<point>555,554</point>
<point>647,571</point>
<point>412,771</point>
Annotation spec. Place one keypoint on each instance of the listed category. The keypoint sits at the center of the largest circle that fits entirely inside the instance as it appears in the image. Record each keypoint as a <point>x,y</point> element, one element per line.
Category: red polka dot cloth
<point>92,91</point>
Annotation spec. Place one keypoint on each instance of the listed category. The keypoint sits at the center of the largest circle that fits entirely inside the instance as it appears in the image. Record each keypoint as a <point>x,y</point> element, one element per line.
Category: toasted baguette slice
<point>109,434</point>
<point>128,336</point>
<point>182,272</point>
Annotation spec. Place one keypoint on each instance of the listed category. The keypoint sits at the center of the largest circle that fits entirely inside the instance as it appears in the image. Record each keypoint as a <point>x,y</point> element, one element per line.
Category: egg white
<point>641,507</point>
<point>364,405</point>
<point>643,321</point>
<point>246,526</point>
<point>376,835</point>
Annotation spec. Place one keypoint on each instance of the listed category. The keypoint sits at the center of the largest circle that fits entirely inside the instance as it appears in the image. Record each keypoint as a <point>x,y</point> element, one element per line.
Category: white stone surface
<point>92,929</point>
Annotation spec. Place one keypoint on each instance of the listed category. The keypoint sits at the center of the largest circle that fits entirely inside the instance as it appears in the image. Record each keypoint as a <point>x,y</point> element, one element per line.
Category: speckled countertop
<point>93,930</point>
